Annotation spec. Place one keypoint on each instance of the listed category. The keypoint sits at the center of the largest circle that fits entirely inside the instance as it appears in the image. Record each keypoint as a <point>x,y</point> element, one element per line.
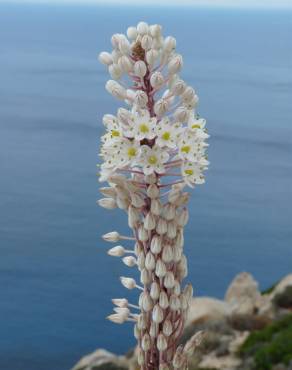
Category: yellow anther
<point>144,128</point>
<point>166,136</point>
<point>152,159</point>
<point>186,149</point>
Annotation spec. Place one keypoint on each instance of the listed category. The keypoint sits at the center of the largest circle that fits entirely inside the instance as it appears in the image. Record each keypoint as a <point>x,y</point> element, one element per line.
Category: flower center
<point>189,172</point>
<point>115,133</point>
<point>144,128</point>
<point>186,149</point>
<point>196,126</point>
<point>166,136</point>
<point>132,152</point>
<point>152,159</point>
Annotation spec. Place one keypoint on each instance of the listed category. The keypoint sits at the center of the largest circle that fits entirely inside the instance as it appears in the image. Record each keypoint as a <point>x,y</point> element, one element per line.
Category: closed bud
<point>115,89</point>
<point>155,30</point>
<point>156,244</point>
<point>132,33</point>
<point>169,43</point>
<point>156,207</point>
<point>117,318</point>
<point>181,114</point>
<point>193,343</point>
<point>161,342</point>
<point>175,64</point>
<point>160,269</point>
<point>137,200</point>
<point>122,203</point>
<point>125,64</point>
<point>105,58</point>
<point>150,261</point>
<point>117,251</point>
<point>109,119</point>
<point>183,302</point>
<point>116,55</point>
<point>176,288</point>
<point>140,357</point>
<point>157,80</point>
<point>142,28</point>
<point>150,179</point>
<point>151,56</point>
<point>191,104</point>
<point>142,321</point>
<point>133,216</point>
<point>179,359</point>
<point>177,253</point>
<point>188,94</point>
<point>153,330</point>
<point>128,283</point>
<point>178,88</point>
<point>112,236</point>
<point>167,254</point>
<point>183,217</point>
<point>120,302</point>
<point>153,191</point>
<point>163,300</point>
<point>167,328</point>
<point>122,310</point>
<point>141,98</point>
<point>108,191</point>
<point>171,229</point>
<point>108,203</point>
<point>146,302</point>
<point>124,46</point>
<point>161,227</point>
<point>179,238</point>
<point>141,261</point>
<point>169,280</point>
<point>188,291</point>
<point>142,234</point>
<point>154,291</point>
<point>115,71</point>
<point>168,211</point>
<point>157,314</point>
<point>137,332</point>
<point>130,261</point>
<point>145,277</point>
<point>146,42</point>
<point>161,107</point>
<point>146,342</point>
<point>149,221</point>
<point>140,68</point>
<point>174,302</point>
<point>115,40</point>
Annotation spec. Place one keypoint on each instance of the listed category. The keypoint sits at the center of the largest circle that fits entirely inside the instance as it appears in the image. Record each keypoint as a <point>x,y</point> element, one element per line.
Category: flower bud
<point>161,227</point>
<point>157,80</point>
<point>120,302</point>
<point>130,261</point>
<point>140,68</point>
<point>169,43</point>
<point>160,269</point>
<point>183,217</point>
<point>142,28</point>
<point>132,33</point>
<point>124,46</point>
<point>141,99</point>
<point>146,302</point>
<point>178,88</point>
<point>161,343</point>
<point>117,318</point>
<point>168,211</point>
<point>146,342</point>
<point>115,89</point>
<point>153,330</point>
<point>133,216</point>
<point>116,55</point>
<point>150,261</point>
<point>174,302</point>
<point>146,42</point>
<point>140,357</point>
<point>175,64</point>
<point>137,200</point>
<point>143,234</point>
<point>163,300</point>
<point>113,236</point>
<point>153,191</point>
<point>115,40</point>
<point>142,321</point>
<point>156,207</point>
<point>108,203</point>
<point>108,191</point>
<point>137,332</point>
<point>167,254</point>
<point>141,260</point>
<point>179,359</point>
<point>149,221</point>
<point>155,30</point>
<point>117,251</point>
<point>188,94</point>
<point>115,71</point>
<point>171,229</point>
<point>193,343</point>
<point>125,64</point>
<point>154,291</point>
<point>128,283</point>
<point>161,107</point>
<point>167,328</point>
<point>151,56</point>
<point>145,276</point>
<point>157,314</point>
<point>191,104</point>
<point>105,58</point>
<point>181,114</point>
<point>169,280</point>
<point>109,119</point>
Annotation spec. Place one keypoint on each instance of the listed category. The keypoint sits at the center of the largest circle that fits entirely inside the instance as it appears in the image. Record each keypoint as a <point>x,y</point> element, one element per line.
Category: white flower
<point>167,133</point>
<point>190,147</point>
<point>192,173</point>
<point>130,150</point>
<point>197,125</point>
<point>153,159</point>
<point>142,126</point>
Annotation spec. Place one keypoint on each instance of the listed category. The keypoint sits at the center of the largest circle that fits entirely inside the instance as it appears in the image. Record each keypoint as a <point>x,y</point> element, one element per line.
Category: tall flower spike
<point>154,146</point>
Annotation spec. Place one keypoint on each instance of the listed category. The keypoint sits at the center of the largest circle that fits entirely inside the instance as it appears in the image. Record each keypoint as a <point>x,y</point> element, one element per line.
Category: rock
<point>102,360</point>
<point>204,309</point>
<point>243,295</point>
<point>224,362</point>
<point>282,285</point>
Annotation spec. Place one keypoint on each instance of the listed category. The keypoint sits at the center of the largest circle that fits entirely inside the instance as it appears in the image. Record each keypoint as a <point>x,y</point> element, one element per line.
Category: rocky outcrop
<point>226,323</point>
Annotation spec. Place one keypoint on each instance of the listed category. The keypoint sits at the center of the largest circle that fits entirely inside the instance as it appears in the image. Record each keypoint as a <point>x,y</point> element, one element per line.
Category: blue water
<point>56,280</point>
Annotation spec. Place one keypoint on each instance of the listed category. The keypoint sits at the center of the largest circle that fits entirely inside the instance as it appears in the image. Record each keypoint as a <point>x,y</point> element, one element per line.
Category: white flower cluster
<point>160,135</point>
<point>160,130</point>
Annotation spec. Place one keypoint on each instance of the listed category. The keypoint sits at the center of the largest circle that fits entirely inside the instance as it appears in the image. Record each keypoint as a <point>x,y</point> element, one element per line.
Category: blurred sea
<point>56,280</point>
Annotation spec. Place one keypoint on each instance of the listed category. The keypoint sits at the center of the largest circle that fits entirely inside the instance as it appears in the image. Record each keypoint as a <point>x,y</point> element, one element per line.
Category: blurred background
<point>56,280</point>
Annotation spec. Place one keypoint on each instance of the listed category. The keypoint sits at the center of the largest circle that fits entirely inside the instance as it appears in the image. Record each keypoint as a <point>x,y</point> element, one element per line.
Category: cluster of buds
<point>151,150</point>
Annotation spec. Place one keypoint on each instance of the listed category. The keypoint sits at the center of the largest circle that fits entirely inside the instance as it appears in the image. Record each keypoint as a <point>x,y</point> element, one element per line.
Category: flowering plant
<point>151,150</point>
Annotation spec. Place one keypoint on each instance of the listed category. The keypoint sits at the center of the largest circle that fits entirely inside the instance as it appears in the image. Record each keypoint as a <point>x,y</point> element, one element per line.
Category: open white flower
<point>167,133</point>
<point>192,173</point>
<point>153,159</point>
<point>130,150</point>
<point>142,126</point>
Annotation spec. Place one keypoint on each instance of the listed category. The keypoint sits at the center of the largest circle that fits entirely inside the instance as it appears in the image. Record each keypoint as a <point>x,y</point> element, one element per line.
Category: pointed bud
<point>163,300</point>
<point>150,261</point>
<point>120,302</point>
<point>115,89</point>
<point>132,33</point>
<point>156,244</point>
<point>145,277</point>
<point>142,234</point>
<point>108,203</point>
<point>142,28</point>
<point>167,254</point>
<point>168,211</point>
<point>169,43</point>
<point>157,314</point>
<point>171,229</point>
<point>151,56</point>
<point>175,64</point>
<point>153,330</point>
<point>154,291</point>
<point>161,227</point>
<point>157,80</point>
<point>125,64</point>
<point>155,30</point>
<point>146,342</point>
<point>181,114</point>
<point>174,302</point>
<point>115,71</point>
<point>146,42</point>
<point>105,58</point>
<point>156,207</point>
<point>113,236</point>
<point>169,280</point>
<point>117,318</point>
<point>153,191</point>
<point>117,251</point>
<point>167,328</point>
<point>161,343</point>
<point>133,216</point>
<point>160,269</point>
<point>149,221</point>
<point>178,88</point>
<point>130,261</point>
<point>108,191</point>
<point>137,200</point>
<point>161,106</point>
<point>140,68</point>
<point>183,217</point>
<point>124,46</point>
<point>128,283</point>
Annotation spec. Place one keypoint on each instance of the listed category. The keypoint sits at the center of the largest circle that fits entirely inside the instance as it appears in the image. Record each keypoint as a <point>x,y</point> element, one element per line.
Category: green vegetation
<point>271,345</point>
<point>270,289</point>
